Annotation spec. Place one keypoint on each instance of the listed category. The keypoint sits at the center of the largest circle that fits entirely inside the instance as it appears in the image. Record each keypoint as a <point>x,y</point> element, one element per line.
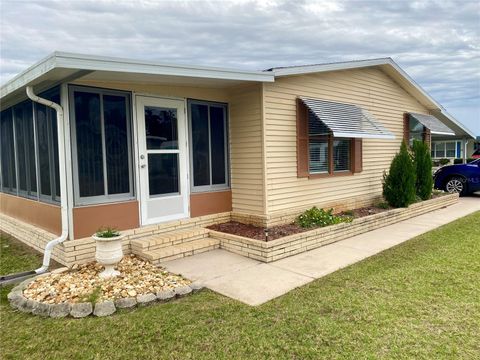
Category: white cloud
<point>437,42</point>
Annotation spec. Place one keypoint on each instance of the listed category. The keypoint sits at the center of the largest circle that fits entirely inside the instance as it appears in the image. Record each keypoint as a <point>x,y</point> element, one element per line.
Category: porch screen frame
<point>105,198</point>
<point>211,187</point>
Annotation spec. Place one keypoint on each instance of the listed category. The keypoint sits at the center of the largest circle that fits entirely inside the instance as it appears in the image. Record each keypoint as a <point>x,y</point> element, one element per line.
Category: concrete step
<point>172,238</point>
<point>173,252</point>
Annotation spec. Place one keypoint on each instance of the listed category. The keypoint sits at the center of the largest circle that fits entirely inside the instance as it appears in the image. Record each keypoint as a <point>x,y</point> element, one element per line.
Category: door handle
<point>143,166</point>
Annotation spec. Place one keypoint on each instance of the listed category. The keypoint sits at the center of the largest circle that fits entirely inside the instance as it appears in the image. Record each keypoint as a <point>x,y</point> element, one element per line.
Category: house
<point>148,147</point>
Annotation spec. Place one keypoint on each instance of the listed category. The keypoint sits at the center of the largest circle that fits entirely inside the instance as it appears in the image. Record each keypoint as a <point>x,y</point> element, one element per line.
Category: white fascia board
<point>25,77</point>
<point>363,136</point>
<point>308,69</point>
<point>97,63</point>
<point>442,133</point>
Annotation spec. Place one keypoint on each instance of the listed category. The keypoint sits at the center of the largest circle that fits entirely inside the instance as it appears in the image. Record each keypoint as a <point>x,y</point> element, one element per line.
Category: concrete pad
<point>322,261</point>
<point>257,284</point>
<point>209,265</point>
<point>254,283</point>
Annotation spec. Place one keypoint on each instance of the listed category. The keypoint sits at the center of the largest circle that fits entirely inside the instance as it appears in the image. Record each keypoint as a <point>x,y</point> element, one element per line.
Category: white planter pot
<point>108,253</point>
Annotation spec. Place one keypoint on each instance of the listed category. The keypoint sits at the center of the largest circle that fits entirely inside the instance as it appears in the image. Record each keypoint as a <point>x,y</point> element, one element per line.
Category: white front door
<point>162,162</point>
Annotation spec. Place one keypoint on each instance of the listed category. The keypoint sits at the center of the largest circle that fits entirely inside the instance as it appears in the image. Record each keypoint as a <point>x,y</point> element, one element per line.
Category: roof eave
<point>61,60</point>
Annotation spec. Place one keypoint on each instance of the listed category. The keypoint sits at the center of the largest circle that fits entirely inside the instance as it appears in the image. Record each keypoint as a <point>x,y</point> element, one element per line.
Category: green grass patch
<point>419,300</point>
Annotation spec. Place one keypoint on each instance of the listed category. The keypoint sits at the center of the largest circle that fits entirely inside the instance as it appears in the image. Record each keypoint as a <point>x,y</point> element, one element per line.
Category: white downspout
<point>465,150</point>
<point>63,180</point>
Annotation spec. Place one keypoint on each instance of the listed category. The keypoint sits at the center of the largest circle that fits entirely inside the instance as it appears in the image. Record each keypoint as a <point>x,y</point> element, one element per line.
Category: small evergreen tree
<point>399,183</point>
<point>423,169</point>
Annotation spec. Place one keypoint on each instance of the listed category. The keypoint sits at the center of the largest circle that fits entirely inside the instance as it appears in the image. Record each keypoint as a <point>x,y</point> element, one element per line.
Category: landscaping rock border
<point>100,309</point>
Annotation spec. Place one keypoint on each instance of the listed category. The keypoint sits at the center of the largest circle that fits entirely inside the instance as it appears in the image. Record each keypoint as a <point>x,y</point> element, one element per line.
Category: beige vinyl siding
<point>246,149</point>
<point>369,88</point>
<point>245,123</point>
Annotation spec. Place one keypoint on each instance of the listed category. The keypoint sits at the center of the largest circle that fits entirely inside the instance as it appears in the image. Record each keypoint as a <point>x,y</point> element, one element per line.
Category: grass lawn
<point>418,300</point>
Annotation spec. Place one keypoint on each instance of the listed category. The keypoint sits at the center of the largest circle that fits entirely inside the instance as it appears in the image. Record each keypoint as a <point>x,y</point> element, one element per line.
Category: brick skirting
<point>308,240</point>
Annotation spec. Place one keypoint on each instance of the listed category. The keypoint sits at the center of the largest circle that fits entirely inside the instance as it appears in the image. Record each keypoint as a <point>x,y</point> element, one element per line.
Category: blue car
<point>461,178</point>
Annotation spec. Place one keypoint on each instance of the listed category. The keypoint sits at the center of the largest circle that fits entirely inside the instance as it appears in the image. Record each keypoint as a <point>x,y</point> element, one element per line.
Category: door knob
<point>142,166</point>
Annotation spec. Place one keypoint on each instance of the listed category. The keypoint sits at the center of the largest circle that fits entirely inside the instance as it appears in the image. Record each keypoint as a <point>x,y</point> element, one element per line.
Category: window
<point>101,139</point>
<point>47,144</point>
<point>446,149</point>
<point>209,149</point>
<point>416,130</point>
<point>326,154</point>
<point>29,154</point>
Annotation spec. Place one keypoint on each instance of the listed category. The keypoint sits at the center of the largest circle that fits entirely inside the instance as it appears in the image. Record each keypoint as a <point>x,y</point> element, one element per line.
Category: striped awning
<point>346,120</point>
<point>431,122</point>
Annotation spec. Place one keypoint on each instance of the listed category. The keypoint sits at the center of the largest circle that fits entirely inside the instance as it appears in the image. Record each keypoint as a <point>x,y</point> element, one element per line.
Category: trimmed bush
<point>316,217</point>
<point>399,183</point>
<point>457,161</point>
<point>444,161</point>
<point>423,170</point>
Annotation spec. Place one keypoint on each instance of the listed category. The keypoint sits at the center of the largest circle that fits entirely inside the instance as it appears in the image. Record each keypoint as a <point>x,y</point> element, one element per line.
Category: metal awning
<point>431,122</point>
<point>346,120</point>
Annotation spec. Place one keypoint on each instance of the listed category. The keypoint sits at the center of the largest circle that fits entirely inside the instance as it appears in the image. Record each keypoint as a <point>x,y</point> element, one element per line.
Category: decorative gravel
<point>82,283</point>
<point>80,292</point>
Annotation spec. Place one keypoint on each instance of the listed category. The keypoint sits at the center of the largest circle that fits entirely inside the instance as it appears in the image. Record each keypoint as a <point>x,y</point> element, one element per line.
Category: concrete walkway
<point>253,282</point>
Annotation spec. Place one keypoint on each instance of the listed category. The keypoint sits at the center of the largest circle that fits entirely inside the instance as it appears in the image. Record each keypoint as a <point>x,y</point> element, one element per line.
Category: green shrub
<point>382,205</point>
<point>444,161</point>
<point>107,232</point>
<point>458,161</point>
<point>399,183</point>
<point>423,170</point>
<point>316,217</point>
<point>469,160</point>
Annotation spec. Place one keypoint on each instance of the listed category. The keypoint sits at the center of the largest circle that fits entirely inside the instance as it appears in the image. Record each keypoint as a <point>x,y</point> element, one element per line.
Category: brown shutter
<point>406,127</point>
<point>302,139</point>
<point>427,137</point>
<point>357,155</point>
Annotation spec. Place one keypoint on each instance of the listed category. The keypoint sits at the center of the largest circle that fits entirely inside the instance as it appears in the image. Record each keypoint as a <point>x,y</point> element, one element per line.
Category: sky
<point>435,42</point>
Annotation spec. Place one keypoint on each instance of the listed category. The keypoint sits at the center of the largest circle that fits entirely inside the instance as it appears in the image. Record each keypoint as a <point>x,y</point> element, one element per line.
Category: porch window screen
<point>29,151</point>
<point>209,145</point>
<point>101,145</point>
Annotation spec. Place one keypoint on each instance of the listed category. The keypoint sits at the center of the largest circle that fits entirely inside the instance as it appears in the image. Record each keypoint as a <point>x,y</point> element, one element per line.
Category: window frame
<point>443,144</point>
<point>105,198</point>
<point>303,148</point>
<point>211,187</point>
<point>331,172</point>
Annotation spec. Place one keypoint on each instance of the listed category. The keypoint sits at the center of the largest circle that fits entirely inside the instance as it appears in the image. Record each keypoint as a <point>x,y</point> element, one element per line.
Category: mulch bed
<point>279,231</point>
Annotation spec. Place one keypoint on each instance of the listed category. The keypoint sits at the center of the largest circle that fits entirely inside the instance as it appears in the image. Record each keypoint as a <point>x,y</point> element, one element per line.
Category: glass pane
<point>318,156</point>
<point>200,145</point>
<point>341,155</point>
<point>416,131</point>
<point>316,127</point>
<point>217,139</point>
<point>42,125</point>
<point>30,146</point>
<point>161,128</point>
<point>440,149</point>
<point>116,143</point>
<point>450,149</point>
<point>8,156</point>
<point>89,144</point>
<point>163,174</point>
<point>47,144</point>
<point>20,147</point>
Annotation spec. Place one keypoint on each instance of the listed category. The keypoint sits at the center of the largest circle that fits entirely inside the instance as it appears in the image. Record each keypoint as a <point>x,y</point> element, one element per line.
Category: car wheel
<point>456,184</point>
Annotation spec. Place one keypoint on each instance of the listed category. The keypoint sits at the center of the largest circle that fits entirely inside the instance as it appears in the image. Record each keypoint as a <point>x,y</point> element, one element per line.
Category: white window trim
<point>444,143</point>
<point>211,187</point>
<point>106,198</point>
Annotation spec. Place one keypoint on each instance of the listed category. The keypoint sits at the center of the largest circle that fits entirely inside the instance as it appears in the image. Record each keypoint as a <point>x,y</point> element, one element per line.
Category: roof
<point>63,67</point>
<point>431,122</point>
<point>347,120</point>
<point>392,69</point>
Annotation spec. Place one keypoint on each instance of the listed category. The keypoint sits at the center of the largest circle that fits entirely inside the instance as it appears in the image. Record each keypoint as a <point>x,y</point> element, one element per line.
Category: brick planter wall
<point>298,243</point>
